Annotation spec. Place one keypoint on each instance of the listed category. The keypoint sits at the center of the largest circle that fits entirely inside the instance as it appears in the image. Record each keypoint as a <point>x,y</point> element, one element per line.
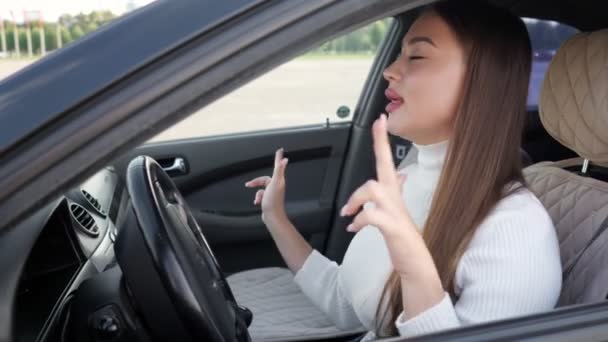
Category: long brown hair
<point>483,156</point>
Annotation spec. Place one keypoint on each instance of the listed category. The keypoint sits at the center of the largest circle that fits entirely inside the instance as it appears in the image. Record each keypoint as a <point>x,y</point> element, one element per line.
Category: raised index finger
<point>385,167</point>
<point>278,156</point>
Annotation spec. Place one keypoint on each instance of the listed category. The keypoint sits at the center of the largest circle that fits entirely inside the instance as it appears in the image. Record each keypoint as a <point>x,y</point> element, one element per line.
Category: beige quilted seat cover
<point>578,206</point>
<point>574,110</point>
<point>281,311</point>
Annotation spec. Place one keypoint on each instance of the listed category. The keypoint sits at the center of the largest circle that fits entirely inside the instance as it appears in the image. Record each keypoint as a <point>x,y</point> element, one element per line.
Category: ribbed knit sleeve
<point>320,279</point>
<point>510,268</point>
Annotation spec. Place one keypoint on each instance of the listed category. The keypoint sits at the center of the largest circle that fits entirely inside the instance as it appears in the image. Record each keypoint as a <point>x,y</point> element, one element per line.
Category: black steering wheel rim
<point>181,274</point>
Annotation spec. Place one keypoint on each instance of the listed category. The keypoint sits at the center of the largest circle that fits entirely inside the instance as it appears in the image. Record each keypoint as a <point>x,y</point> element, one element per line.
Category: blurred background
<point>322,85</point>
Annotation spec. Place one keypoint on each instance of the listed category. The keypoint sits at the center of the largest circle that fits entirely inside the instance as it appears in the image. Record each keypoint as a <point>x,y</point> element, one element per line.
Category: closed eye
<point>411,58</point>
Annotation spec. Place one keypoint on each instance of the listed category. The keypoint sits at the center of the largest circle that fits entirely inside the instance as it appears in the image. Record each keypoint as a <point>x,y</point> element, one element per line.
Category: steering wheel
<point>169,270</point>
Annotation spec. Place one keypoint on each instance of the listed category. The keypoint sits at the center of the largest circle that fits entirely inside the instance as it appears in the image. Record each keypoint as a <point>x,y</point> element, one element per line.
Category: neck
<point>432,156</point>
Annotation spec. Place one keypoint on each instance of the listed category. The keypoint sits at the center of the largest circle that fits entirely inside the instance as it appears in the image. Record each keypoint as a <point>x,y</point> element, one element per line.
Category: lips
<point>395,100</point>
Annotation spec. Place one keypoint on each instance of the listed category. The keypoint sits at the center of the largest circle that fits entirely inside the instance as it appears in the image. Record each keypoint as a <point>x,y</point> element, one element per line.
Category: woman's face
<point>425,82</point>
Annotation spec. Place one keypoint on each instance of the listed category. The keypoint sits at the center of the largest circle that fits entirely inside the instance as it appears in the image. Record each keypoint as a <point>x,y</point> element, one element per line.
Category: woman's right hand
<point>272,196</point>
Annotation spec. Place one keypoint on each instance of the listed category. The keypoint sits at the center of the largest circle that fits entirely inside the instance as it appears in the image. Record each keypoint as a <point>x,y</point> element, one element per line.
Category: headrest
<point>573,103</point>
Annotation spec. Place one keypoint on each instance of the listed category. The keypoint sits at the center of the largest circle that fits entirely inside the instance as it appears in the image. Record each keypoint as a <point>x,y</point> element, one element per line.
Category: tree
<point>90,27</point>
<point>66,20</point>
<point>23,39</point>
<point>76,32</point>
<point>353,42</point>
<point>81,19</point>
<point>66,36</point>
<point>71,28</point>
<point>50,36</point>
<point>10,37</point>
<point>375,35</point>
<point>366,39</point>
<point>365,43</point>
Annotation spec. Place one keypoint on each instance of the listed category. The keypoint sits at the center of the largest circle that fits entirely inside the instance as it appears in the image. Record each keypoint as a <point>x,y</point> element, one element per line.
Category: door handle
<point>177,168</point>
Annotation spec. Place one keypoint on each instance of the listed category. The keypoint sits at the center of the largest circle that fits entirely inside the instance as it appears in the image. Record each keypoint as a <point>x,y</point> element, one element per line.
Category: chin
<point>396,126</point>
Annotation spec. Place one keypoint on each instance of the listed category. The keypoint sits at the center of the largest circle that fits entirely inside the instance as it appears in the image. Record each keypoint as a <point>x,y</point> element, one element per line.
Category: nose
<point>391,73</point>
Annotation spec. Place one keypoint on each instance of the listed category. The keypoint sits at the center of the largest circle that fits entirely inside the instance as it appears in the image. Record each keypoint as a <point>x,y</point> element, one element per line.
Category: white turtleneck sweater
<point>510,268</point>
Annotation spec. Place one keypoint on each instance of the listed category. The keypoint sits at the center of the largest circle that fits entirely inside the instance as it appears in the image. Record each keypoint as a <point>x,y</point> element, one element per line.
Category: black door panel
<point>308,216</point>
<point>211,173</point>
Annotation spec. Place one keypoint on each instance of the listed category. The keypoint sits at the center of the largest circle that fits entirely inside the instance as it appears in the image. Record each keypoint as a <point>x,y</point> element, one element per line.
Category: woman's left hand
<point>410,257</point>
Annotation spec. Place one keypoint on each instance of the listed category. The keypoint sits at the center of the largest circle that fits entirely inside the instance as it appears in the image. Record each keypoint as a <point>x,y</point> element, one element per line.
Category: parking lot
<point>303,91</point>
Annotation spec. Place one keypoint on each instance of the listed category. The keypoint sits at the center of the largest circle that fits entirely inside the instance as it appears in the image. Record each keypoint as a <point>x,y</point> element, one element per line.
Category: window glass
<point>323,84</point>
<point>30,29</point>
<point>546,37</point>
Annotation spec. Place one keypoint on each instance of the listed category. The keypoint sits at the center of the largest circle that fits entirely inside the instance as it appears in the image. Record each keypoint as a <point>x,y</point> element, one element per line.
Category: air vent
<point>93,202</point>
<point>86,221</point>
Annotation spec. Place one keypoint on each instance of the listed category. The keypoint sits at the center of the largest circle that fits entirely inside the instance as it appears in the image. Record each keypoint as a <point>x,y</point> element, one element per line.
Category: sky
<point>52,9</point>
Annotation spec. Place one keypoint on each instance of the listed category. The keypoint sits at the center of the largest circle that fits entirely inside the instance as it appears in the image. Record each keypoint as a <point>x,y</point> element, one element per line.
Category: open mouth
<point>395,100</point>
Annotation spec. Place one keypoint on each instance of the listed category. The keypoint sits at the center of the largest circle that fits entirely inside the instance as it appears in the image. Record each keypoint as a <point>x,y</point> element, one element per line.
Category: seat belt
<point>598,232</point>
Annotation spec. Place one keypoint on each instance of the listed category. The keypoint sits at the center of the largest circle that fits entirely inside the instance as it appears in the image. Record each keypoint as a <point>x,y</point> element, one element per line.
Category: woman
<point>455,238</point>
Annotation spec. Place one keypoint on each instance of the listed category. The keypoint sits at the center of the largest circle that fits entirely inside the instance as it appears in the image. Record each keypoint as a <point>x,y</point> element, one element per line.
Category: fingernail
<point>344,210</point>
<point>350,228</point>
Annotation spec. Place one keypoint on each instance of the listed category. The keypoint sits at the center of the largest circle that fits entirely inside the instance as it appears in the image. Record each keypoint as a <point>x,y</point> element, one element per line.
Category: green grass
<point>23,57</point>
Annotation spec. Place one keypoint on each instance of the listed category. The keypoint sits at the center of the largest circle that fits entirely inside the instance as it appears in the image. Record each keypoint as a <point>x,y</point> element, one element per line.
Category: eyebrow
<point>421,40</point>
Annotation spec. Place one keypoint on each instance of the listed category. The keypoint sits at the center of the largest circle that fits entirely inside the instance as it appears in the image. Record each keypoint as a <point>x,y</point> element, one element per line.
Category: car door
<point>304,106</point>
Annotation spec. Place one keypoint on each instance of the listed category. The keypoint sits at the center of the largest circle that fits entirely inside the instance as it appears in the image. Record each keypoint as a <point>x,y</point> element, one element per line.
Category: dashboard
<point>76,242</point>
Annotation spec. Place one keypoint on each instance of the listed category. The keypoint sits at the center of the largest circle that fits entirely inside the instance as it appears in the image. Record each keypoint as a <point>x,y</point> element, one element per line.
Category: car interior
<point>72,278</point>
